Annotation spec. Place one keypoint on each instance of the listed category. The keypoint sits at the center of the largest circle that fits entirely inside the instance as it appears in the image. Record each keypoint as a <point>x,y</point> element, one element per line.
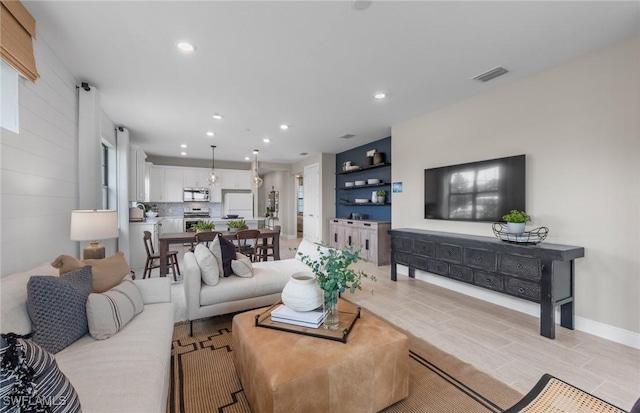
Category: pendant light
<point>255,181</point>
<point>213,178</point>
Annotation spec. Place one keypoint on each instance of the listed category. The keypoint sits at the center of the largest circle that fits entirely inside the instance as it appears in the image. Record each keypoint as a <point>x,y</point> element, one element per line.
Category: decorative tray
<point>533,236</point>
<point>348,316</point>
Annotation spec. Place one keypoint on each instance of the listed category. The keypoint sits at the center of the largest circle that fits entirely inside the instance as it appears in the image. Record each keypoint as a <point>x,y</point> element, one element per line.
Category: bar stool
<point>172,257</point>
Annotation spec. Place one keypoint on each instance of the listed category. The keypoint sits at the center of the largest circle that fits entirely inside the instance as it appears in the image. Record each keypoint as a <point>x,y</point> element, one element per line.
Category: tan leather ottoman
<point>287,372</point>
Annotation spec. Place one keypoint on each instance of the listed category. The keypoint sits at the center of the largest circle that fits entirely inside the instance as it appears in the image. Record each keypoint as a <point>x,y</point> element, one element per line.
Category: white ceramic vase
<point>302,292</point>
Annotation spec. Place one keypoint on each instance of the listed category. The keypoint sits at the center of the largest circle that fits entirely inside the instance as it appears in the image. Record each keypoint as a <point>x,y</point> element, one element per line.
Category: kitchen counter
<point>155,220</point>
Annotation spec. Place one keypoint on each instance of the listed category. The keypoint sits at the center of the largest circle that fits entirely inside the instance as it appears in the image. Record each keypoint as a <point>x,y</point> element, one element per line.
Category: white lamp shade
<point>92,225</point>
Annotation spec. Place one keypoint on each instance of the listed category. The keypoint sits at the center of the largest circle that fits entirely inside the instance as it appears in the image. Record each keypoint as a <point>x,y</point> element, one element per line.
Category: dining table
<point>189,237</point>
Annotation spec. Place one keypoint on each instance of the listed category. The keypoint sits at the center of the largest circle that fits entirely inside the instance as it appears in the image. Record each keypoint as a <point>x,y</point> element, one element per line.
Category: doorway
<point>299,206</point>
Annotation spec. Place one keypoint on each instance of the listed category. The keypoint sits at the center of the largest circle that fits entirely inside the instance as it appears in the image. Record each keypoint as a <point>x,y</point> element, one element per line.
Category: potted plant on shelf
<point>236,225</point>
<point>334,275</point>
<point>516,221</point>
<point>202,226</point>
<point>381,194</point>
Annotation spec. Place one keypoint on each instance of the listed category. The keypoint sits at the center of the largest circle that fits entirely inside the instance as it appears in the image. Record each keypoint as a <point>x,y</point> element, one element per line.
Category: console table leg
<point>566,315</point>
<point>547,320</point>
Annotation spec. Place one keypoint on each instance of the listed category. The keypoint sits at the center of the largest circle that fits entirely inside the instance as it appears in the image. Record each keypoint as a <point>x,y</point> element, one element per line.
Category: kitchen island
<point>252,222</point>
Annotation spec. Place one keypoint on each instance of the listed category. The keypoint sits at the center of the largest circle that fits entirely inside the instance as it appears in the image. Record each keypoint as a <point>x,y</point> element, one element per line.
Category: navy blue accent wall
<point>357,156</point>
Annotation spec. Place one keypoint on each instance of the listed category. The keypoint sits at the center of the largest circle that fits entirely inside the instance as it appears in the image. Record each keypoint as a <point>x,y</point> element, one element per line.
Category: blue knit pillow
<point>31,380</point>
<point>57,308</point>
<point>228,255</point>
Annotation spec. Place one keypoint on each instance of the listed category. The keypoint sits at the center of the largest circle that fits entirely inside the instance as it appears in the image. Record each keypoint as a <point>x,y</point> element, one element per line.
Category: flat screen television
<point>475,191</point>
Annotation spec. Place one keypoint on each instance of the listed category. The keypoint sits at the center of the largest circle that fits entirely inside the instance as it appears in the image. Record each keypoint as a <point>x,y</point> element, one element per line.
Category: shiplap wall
<point>39,169</point>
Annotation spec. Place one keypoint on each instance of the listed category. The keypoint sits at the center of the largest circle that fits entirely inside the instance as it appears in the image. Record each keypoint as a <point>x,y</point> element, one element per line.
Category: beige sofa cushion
<point>209,269</point>
<point>242,266</point>
<point>107,272</point>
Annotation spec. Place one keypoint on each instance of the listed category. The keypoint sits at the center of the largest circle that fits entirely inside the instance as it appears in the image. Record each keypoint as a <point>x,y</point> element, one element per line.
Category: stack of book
<point>313,318</point>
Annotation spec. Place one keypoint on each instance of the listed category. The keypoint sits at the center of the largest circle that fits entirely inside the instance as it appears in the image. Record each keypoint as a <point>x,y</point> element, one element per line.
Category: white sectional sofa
<point>128,372</point>
<point>233,294</point>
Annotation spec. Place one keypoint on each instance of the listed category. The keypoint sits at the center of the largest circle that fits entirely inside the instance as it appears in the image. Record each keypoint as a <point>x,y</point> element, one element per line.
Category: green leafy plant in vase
<point>202,226</point>
<point>334,275</point>
<point>236,225</point>
<point>516,221</point>
<point>381,196</point>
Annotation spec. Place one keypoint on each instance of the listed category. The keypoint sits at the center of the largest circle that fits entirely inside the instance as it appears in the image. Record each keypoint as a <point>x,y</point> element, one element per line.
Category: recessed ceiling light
<point>246,158</point>
<point>284,127</point>
<point>266,140</point>
<point>210,133</point>
<point>183,146</point>
<point>183,153</point>
<point>379,96</point>
<point>360,4</point>
<point>186,47</point>
<point>217,116</point>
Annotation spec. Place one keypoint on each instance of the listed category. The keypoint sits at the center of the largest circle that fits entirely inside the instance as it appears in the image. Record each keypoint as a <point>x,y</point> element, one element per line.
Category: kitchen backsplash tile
<point>176,209</point>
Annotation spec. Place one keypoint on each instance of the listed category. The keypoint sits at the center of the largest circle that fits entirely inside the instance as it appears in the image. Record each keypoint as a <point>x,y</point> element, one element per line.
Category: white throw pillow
<point>215,248</point>
<point>209,271</point>
<point>109,312</point>
<point>242,266</point>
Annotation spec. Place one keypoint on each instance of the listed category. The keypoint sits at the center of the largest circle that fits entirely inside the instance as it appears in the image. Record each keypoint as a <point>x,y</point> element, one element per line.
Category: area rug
<point>203,377</point>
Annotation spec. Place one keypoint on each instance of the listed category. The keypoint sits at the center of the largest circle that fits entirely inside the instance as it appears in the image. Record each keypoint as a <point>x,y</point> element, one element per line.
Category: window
<point>300,196</point>
<point>104,162</point>
<point>9,93</point>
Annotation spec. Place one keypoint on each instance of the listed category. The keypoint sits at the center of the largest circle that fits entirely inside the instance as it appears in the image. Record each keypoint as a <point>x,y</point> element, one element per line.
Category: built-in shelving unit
<point>362,171</point>
<point>364,168</point>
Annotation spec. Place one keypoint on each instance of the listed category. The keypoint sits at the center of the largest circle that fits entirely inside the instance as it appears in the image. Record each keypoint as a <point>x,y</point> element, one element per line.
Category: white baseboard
<point>606,331</point>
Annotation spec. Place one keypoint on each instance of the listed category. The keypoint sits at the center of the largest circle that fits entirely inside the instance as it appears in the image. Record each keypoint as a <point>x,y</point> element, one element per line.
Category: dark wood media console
<point>542,273</point>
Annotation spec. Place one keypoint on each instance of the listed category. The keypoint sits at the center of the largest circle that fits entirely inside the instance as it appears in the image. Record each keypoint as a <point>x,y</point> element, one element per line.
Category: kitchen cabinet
<point>234,179</point>
<point>137,174</point>
<point>195,177</point>
<point>156,184</point>
<point>173,184</point>
<point>171,225</point>
<point>371,238</point>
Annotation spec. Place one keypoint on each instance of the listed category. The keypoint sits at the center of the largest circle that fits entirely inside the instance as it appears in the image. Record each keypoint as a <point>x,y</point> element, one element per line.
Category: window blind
<point>18,28</point>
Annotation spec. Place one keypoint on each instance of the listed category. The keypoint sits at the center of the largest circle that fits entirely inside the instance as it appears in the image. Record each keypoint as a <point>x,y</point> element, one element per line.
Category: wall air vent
<point>346,136</point>
<point>491,74</point>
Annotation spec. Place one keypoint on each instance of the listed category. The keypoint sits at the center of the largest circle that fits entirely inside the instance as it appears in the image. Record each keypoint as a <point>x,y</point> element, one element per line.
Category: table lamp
<point>92,225</point>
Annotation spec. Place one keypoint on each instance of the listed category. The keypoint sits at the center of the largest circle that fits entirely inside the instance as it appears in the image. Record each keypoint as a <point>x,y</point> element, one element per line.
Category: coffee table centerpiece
<point>334,275</point>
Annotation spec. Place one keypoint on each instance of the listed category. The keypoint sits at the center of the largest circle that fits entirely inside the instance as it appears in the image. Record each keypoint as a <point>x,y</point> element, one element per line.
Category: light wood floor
<point>503,343</point>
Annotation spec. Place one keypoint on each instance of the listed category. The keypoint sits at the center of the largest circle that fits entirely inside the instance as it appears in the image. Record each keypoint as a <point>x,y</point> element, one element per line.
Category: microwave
<point>196,194</point>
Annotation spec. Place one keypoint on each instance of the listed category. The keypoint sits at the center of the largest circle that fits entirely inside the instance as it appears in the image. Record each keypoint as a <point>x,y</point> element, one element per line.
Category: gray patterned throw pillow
<point>57,307</point>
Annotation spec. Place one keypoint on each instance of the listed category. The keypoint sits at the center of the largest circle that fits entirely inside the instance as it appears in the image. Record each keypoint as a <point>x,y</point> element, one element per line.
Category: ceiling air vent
<point>304,153</point>
<point>346,136</point>
<point>491,74</point>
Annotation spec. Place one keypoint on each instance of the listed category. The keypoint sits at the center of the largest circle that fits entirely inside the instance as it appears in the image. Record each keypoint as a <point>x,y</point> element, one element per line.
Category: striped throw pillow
<point>109,312</point>
<point>31,380</point>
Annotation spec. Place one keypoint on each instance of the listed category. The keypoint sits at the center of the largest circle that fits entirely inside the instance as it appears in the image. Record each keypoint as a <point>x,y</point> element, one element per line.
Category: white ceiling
<point>312,65</point>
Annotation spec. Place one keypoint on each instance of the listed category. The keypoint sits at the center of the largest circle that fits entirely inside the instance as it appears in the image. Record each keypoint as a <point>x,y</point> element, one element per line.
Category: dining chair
<point>206,237</point>
<point>246,242</point>
<point>266,248</point>
<point>152,256</point>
